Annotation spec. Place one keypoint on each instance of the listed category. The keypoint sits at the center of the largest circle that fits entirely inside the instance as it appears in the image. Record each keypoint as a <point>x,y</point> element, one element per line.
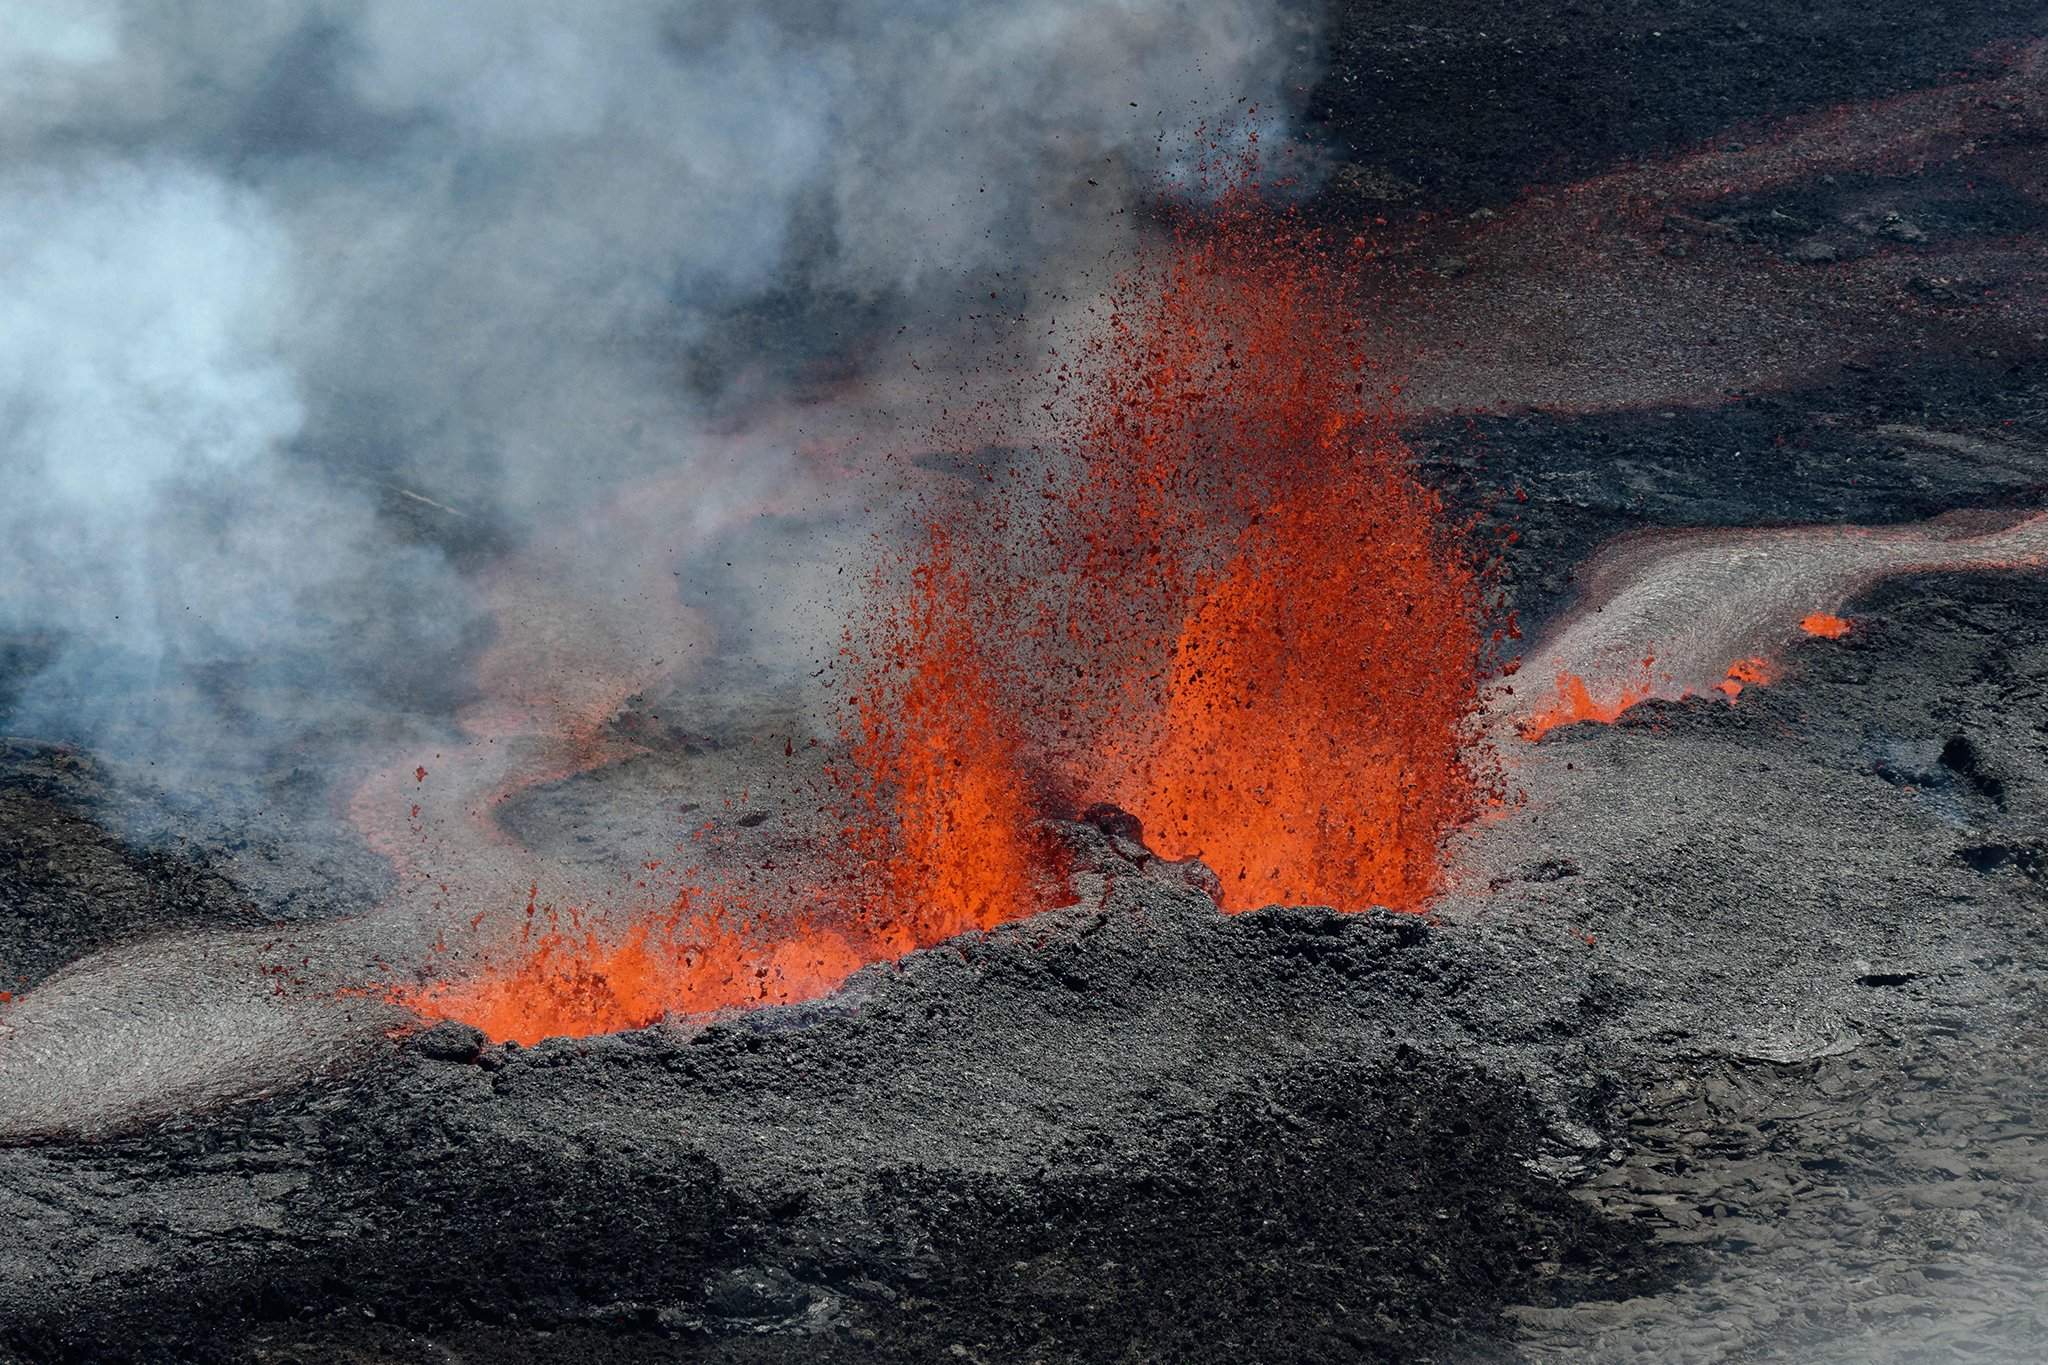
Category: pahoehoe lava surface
<point>1725,1047</point>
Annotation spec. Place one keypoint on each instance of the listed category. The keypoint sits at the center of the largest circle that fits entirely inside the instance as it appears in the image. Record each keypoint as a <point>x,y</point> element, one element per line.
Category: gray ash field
<point>1723,1044</point>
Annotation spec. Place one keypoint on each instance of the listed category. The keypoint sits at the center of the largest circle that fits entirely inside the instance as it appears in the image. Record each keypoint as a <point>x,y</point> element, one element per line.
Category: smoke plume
<point>314,312</point>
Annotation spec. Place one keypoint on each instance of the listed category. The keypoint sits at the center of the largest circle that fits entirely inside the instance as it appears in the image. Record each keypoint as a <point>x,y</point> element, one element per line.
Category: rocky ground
<point>1724,1046</point>
<point>1782,1104</point>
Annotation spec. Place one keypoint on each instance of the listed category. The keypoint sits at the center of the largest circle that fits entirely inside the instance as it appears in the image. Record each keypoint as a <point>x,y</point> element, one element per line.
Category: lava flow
<point>1676,614</point>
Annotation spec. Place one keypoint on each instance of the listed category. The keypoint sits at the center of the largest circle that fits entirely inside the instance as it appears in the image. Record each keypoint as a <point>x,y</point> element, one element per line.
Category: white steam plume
<point>264,267</point>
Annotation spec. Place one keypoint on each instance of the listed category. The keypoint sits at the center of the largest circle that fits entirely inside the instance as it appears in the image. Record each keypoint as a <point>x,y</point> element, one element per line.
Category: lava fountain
<point>1302,727</point>
<point>945,831</point>
<point>1219,598</point>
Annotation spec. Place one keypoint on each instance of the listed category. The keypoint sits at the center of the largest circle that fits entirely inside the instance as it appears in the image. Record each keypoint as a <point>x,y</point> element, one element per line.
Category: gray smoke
<point>311,312</point>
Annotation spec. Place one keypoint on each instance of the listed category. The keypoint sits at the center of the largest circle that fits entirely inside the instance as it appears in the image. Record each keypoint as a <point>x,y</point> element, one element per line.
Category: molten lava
<point>1309,749</point>
<point>1219,598</point>
<point>1310,737</point>
<point>946,829</point>
<point>570,979</point>
<point>1223,601</point>
<point>1753,672</point>
<point>1824,626</point>
<point>1575,702</point>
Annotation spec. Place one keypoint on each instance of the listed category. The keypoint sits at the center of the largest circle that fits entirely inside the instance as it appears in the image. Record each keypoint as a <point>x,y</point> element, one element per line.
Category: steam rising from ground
<point>312,309</point>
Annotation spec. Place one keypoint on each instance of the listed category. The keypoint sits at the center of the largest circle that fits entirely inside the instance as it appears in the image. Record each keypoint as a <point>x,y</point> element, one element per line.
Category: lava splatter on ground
<point>1824,624</point>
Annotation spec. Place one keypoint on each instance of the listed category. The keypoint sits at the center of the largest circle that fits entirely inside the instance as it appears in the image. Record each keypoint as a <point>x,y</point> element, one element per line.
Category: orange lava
<point>1575,703</point>
<point>1755,671</point>
<point>1752,672</point>
<point>572,980</point>
<point>946,829</point>
<point>1825,626</point>
<point>1310,737</point>
<point>1223,600</point>
<point>1309,750</point>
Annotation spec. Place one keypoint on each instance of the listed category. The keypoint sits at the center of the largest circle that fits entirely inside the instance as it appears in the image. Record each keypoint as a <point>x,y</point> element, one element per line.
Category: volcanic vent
<point>1211,591</point>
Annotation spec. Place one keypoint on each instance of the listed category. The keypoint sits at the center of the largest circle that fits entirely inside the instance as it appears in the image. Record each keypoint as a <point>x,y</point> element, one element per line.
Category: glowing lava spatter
<point>1310,746</point>
<point>574,973</point>
<point>574,977</point>
<point>1575,702</point>
<point>1751,672</point>
<point>1309,724</point>
<point>945,827</point>
<point>1223,600</point>
<point>1824,625</point>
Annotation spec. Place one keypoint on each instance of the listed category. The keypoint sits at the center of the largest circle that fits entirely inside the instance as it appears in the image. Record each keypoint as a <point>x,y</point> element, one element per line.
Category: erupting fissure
<point>1217,596</point>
